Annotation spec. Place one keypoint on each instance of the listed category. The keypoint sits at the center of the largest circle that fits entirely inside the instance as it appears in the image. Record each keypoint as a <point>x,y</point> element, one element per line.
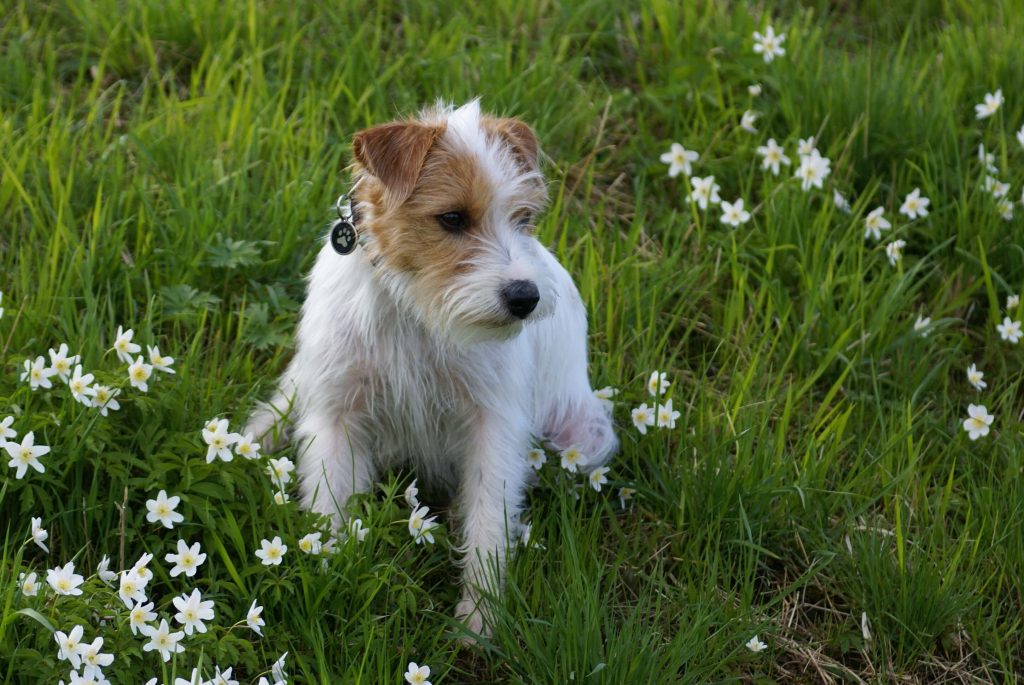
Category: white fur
<point>385,374</point>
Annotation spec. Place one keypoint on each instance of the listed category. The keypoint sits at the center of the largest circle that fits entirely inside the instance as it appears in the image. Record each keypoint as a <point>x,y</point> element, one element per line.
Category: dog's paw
<point>468,612</point>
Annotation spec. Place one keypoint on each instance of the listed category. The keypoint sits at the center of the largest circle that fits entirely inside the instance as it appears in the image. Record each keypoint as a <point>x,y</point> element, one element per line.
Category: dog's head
<point>448,203</point>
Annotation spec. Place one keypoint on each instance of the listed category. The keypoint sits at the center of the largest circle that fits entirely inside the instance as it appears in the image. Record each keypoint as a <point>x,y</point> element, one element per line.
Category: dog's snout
<point>521,298</point>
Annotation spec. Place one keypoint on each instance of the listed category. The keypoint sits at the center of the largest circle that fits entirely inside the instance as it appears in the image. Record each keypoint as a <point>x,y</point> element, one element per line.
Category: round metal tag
<point>343,237</point>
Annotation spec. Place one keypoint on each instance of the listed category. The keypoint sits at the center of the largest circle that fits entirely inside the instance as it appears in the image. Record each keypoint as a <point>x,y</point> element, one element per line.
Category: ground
<point>170,168</point>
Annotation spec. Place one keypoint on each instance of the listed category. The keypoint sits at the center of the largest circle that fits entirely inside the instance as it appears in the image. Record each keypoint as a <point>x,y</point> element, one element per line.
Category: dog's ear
<point>395,153</point>
<point>520,138</point>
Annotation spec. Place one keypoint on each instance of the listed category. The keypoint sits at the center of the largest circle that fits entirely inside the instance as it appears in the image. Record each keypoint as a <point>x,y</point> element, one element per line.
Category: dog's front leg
<point>488,506</point>
<point>334,463</point>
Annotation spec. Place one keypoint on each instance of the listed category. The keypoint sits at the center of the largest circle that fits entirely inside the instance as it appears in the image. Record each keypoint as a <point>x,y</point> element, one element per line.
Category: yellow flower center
<point>64,584</point>
<point>25,455</point>
<point>63,366</point>
<point>36,374</point>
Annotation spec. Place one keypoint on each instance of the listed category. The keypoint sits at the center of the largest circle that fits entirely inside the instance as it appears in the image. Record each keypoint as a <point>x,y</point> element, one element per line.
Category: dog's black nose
<point>521,298</point>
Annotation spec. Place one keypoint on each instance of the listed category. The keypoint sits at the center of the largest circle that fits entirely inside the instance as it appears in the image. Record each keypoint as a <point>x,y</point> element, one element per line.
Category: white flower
<point>875,223</point>
<point>281,497</point>
<point>6,432</point>
<point>195,679</point>
<point>26,454</point>
<point>734,214</point>
<point>978,421</point>
<point>840,202</point>
<point>626,495</point>
<point>679,159</point>
<point>536,458</point>
<point>774,155</point>
<point>412,494</point>
<point>105,398</point>
<point>93,659</point>
<point>597,477</point>
<point>39,534</point>
<point>310,544</point>
<point>247,446</point>
<point>132,588</point>
<point>158,361</point>
<point>1005,209</point>
<point>1008,330</point>
<point>61,362</point>
<point>914,205</point>
<point>987,159</point>
<point>805,147</point>
<point>162,640</point>
<point>769,45</point>
<point>219,441</point>
<point>187,560</point>
<point>667,416</point>
<point>139,373</point>
<point>139,616</point>
<point>277,670</point>
<point>754,89</point>
<point>642,418</point>
<point>755,645</point>
<point>192,611</point>
<point>417,675</point>
<point>355,529</point>
<point>1020,139</point>
<point>894,251</point>
<point>704,191</point>
<point>37,373</point>
<point>420,525</point>
<point>974,377</point>
<point>80,388</point>
<point>571,457</point>
<point>28,584</point>
<point>996,187</point>
<point>162,509</point>
<point>813,170</point>
<point>747,121</point>
<point>1011,302</point>
<point>254,619</point>
<point>605,395</point>
<point>69,645</point>
<point>280,470</point>
<point>222,677</point>
<point>1,302</point>
<point>990,106</point>
<point>124,346</point>
<point>64,580</point>
<point>272,552</point>
<point>658,383</point>
<point>922,324</point>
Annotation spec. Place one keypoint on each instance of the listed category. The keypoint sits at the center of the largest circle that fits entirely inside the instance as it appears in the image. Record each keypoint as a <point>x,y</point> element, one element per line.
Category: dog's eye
<point>524,220</point>
<point>453,221</point>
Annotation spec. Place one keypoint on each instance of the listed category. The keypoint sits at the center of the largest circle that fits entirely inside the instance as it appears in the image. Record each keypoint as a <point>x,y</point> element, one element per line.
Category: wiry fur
<point>406,353</point>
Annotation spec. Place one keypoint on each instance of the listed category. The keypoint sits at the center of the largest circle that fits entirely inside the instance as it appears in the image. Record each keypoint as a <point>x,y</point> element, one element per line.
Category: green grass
<point>171,166</point>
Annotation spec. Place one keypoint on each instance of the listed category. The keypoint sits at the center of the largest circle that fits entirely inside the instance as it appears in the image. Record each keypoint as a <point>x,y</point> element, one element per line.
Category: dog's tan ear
<point>395,153</point>
<point>521,139</point>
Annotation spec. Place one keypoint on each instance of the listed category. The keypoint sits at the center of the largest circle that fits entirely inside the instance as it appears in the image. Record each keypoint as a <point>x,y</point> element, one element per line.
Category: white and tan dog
<point>449,340</point>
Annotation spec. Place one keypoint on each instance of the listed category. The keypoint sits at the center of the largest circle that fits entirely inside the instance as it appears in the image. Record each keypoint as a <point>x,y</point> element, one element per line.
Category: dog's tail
<point>270,422</point>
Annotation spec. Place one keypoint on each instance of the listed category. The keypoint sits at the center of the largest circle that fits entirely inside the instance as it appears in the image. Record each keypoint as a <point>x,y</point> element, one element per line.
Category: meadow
<point>170,168</point>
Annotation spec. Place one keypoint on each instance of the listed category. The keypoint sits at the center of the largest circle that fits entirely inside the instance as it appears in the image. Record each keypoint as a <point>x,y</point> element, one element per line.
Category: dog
<point>449,340</point>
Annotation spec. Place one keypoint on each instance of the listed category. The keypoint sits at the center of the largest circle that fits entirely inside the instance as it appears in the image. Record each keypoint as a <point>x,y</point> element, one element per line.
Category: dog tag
<point>343,236</point>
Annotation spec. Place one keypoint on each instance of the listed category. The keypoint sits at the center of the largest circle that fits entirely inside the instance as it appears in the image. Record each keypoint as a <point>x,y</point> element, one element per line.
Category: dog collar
<point>343,231</point>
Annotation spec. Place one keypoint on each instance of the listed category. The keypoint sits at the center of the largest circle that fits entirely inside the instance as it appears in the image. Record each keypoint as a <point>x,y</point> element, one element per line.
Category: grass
<point>170,167</point>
